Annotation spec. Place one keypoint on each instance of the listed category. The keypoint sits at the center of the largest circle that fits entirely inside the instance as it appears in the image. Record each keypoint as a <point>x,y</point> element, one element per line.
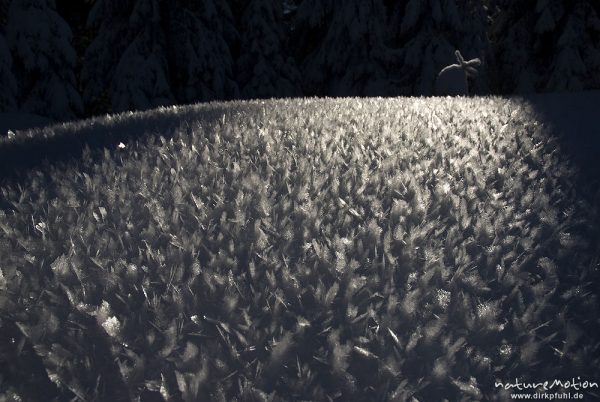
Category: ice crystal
<point>112,326</point>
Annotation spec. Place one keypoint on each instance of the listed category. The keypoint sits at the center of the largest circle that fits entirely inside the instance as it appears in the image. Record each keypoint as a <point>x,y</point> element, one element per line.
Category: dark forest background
<point>69,59</point>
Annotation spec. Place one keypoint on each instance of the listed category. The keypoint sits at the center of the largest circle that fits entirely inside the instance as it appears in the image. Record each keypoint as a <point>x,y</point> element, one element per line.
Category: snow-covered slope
<point>574,118</point>
<point>300,249</point>
<point>18,121</point>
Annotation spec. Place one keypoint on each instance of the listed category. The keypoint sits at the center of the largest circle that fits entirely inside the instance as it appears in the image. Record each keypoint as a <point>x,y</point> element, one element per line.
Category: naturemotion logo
<point>572,384</point>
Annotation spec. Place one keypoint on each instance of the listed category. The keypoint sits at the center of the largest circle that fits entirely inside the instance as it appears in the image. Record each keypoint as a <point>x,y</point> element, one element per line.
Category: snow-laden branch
<point>452,80</point>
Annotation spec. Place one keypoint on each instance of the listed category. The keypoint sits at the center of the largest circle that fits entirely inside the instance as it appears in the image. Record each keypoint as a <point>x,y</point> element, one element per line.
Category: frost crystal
<point>3,281</point>
<point>486,311</point>
<point>443,298</point>
<point>446,188</point>
<point>505,350</point>
<point>112,326</point>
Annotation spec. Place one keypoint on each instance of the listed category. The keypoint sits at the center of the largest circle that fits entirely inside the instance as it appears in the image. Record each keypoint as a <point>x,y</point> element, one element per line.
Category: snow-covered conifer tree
<point>475,40</point>
<point>264,67</point>
<point>350,56</point>
<point>4,11</point>
<point>514,48</point>
<point>126,61</point>
<point>311,24</point>
<point>43,59</point>
<point>149,52</point>
<point>547,45</point>
<point>8,83</point>
<point>428,32</point>
<point>141,75</point>
<point>200,35</point>
<point>110,20</point>
<point>576,57</point>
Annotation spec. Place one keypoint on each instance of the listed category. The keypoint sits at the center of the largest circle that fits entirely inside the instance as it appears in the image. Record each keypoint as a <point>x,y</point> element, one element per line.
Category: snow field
<point>352,249</point>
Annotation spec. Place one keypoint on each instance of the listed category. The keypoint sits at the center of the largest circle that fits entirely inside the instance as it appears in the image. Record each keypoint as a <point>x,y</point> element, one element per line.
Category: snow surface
<point>573,117</point>
<point>399,141</point>
<point>19,121</point>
